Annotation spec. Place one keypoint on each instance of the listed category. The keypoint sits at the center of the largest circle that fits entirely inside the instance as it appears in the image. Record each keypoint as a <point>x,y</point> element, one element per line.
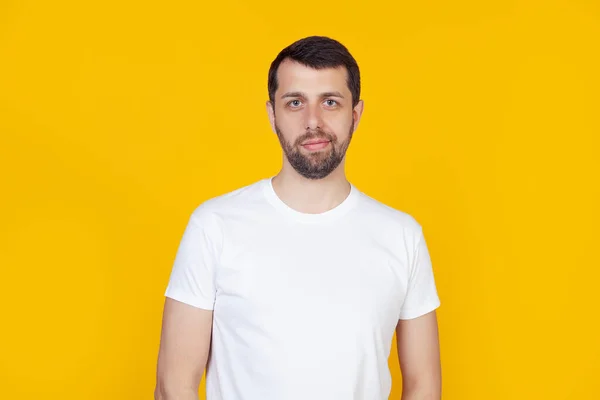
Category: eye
<point>331,103</point>
<point>294,103</point>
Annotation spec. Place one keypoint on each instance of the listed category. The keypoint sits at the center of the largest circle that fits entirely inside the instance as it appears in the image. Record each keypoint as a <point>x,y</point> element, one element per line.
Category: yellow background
<point>118,118</point>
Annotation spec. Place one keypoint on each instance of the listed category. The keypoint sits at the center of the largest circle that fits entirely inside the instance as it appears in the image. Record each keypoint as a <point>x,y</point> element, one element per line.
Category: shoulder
<point>219,207</point>
<point>385,214</point>
<point>387,220</point>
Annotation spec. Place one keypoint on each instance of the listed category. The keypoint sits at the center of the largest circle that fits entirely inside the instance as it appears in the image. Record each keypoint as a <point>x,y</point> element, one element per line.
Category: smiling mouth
<point>316,144</point>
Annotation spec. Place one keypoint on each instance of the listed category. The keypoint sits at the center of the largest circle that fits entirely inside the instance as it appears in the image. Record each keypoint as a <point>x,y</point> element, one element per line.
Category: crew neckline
<point>294,214</point>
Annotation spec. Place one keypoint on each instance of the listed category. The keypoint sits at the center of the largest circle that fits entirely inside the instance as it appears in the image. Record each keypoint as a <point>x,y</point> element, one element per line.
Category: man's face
<point>313,117</point>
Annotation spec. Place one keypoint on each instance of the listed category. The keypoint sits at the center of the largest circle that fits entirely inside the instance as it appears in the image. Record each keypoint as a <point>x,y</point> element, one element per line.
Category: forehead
<point>293,76</point>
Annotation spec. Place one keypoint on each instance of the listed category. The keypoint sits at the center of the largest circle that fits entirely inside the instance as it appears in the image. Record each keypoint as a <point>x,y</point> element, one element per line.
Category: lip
<point>315,141</point>
<point>315,145</point>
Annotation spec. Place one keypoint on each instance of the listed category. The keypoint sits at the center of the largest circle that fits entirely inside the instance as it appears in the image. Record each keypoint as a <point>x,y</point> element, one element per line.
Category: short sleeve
<point>421,296</point>
<point>192,279</point>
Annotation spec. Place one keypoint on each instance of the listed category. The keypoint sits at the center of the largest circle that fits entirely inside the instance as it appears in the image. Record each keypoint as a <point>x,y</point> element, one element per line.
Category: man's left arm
<point>419,355</point>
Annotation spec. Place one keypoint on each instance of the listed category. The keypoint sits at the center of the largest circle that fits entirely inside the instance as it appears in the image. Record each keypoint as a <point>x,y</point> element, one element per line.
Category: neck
<point>311,196</point>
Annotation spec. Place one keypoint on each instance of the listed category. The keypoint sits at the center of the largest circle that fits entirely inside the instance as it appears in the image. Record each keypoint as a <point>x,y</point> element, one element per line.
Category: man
<point>292,287</point>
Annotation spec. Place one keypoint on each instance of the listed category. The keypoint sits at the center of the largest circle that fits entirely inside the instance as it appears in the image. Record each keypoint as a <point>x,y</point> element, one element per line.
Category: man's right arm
<point>184,350</point>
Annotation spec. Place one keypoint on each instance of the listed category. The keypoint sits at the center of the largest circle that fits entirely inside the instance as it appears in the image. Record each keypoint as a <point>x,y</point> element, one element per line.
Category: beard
<point>317,164</point>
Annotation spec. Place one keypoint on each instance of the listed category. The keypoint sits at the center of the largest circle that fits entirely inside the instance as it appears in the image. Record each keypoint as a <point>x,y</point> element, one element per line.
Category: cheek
<point>341,127</point>
<point>288,129</point>
<point>293,122</point>
<point>288,122</point>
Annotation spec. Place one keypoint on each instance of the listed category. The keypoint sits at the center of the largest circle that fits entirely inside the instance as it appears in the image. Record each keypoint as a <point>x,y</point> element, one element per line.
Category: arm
<point>184,349</point>
<point>188,317</point>
<point>419,356</point>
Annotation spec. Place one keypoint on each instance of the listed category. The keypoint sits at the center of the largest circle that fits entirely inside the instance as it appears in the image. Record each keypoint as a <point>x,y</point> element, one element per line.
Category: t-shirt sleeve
<point>192,279</point>
<point>421,296</point>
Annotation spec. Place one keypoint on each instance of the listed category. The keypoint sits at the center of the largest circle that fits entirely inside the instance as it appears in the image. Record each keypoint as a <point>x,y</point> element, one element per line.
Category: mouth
<point>315,141</point>
<point>316,144</point>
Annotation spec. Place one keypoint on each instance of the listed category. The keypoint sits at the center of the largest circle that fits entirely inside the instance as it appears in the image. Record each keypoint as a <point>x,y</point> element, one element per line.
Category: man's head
<point>314,104</point>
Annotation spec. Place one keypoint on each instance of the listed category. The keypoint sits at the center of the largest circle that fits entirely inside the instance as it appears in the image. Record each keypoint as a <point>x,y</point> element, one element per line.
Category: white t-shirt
<point>305,305</point>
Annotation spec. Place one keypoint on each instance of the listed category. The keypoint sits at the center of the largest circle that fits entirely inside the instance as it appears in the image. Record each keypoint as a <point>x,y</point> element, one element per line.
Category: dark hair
<point>318,52</point>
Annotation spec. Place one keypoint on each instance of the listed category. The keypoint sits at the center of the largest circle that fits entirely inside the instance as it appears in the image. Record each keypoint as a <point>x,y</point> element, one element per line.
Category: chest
<point>330,273</point>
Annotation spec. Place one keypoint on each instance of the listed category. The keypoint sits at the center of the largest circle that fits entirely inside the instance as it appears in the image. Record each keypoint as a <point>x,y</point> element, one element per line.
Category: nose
<point>314,117</point>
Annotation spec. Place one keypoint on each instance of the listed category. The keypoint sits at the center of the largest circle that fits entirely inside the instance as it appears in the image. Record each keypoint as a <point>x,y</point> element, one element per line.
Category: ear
<point>271,114</point>
<point>357,113</point>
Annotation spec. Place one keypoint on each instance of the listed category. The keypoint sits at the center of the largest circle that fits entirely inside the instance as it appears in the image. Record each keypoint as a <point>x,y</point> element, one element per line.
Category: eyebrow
<point>300,94</point>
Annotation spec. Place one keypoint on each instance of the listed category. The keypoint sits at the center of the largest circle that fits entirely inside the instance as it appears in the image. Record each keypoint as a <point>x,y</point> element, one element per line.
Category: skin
<point>308,104</point>
<point>183,352</point>
<point>419,354</point>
